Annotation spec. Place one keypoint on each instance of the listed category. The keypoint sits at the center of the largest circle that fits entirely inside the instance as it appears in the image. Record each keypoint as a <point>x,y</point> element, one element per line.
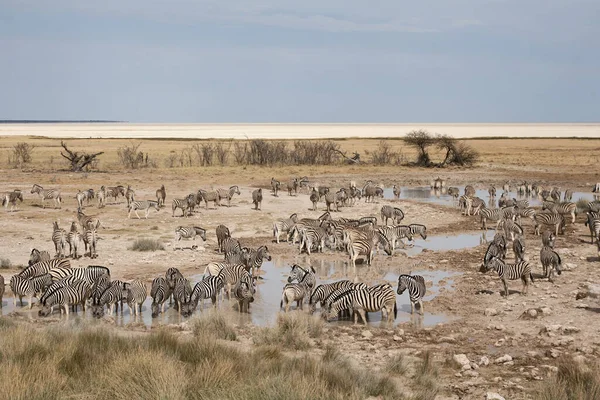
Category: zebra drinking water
<point>159,292</point>
<point>393,213</point>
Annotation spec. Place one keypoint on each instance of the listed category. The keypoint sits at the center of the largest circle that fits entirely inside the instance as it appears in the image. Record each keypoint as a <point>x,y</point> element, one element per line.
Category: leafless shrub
<point>464,155</point>
<point>131,158</point>
<point>263,152</point>
<point>204,153</point>
<point>21,154</point>
<point>240,152</point>
<point>186,157</point>
<point>308,152</point>
<point>385,155</point>
<point>222,152</point>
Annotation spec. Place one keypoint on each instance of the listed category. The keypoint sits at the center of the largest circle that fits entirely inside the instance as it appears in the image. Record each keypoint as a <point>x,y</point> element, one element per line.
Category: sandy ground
<point>482,326</point>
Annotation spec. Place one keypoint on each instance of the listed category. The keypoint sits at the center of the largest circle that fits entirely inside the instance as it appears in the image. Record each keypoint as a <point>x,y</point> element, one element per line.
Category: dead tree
<point>78,160</point>
<point>355,159</point>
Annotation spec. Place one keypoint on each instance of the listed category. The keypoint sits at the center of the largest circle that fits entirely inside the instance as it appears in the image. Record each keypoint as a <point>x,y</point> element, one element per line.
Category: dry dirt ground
<point>484,326</point>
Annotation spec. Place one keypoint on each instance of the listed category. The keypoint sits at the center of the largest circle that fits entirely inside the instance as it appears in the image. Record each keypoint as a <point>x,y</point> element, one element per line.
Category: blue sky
<point>301,61</point>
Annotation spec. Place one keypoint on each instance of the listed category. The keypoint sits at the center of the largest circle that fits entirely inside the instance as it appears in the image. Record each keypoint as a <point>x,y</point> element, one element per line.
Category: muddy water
<point>446,242</point>
<point>427,195</point>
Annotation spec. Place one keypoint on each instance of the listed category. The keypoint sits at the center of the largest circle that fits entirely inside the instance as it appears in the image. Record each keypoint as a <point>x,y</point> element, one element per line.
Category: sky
<point>348,61</point>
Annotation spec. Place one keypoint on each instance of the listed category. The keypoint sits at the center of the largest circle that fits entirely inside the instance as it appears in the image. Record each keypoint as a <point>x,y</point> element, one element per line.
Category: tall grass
<point>146,244</point>
<point>293,331</point>
<point>87,362</point>
<point>573,381</point>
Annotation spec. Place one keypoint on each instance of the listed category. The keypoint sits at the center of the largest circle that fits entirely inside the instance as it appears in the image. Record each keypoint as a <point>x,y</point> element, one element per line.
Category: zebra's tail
<point>531,277</point>
<point>395,310</point>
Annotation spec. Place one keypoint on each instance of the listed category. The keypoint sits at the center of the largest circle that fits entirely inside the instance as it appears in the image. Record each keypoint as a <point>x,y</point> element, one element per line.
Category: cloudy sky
<point>301,61</point>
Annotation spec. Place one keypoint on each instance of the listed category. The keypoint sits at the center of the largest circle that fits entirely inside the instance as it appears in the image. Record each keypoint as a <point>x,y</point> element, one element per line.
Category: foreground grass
<point>87,362</point>
<point>293,331</point>
<point>145,244</point>
<point>573,381</point>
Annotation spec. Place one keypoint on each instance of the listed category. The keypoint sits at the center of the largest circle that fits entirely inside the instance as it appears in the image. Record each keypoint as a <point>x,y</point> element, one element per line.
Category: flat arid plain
<point>471,342</point>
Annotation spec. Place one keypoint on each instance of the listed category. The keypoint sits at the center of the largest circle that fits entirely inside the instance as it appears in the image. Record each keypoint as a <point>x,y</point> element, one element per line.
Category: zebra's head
<point>297,273</point>
<point>155,309</point>
<point>36,188</point>
<point>387,245</point>
<point>236,189</point>
<point>263,253</point>
<point>45,311</point>
<point>402,284</point>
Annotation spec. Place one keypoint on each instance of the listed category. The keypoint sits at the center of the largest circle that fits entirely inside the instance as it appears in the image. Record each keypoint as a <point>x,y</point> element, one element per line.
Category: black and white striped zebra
<point>28,287</point>
<point>208,288</point>
<point>557,221</point>
<point>396,192</point>
<point>222,232</point>
<point>526,212</point>
<point>84,196</point>
<point>231,246</point>
<point>101,196</point>
<point>363,301</point>
<point>43,267</point>
<point>566,208</point>
<point>314,198</point>
<point>161,195</point>
<point>99,285</point>
<point>243,292</point>
<point>182,294</point>
<point>284,226</point>
<point>130,195</point>
<point>159,292</point>
<point>89,274</point>
<point>72,294</point>
<point>493,250</point>
<point>275,186</point>
<point>111,296</point>
<point>418,229</point>
<point>231,273</point>
<point>136,295</point>
<point>183,204</point>
<point>331,199</point>
<point>257,198</point>
<point>519,249</point>
<point>292,186</point>
<point>254,259</point>
<point>189,232</point>
<point>593,223</point>
<point>171,276</point>
<point>114,191</point>
<point>59,238</point>
<point>208,196</point>
<point>511,228</point>
<point>73,239</point>
<point>87,221</point>
<point>395,233</point>
<point>321,292</point>
<point>492,191</point>
<point>416,290</point>
<point>548,239</point>
<point>90,238</point>
<point>551,261</point>
<point>227,194</point>
<point>336,294</point>
<point>594,206</point>
<point>47,194</point>
<point>519,270</point>
<point>145,205</point>
<point>312,238</point>
<point>568,195</point>
<point>11,198</point>
<point>495,214</point>
<point>36,256</point>
<point>454,192</point>
<point>297,291</point>
<point>361,246</point>
<point>393,213</point>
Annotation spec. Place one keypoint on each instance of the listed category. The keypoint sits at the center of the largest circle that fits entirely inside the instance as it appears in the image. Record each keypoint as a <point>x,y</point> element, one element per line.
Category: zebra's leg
<point>505,287</point>
<point>412,307</point>
<point>136,214</point>
<point>363,316</point>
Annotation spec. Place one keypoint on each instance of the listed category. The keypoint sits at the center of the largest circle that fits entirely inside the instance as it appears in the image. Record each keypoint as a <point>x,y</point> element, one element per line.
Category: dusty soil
<point>484,324</point>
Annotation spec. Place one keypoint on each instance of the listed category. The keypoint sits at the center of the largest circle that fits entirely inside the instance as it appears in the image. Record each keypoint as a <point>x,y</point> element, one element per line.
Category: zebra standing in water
<point>519,270</point>
<point>257,198</point>
<point>208,288</point>
<point>550,261</point>
<point>159,292</point>
<point>48,194</point>
<point>43,267</point>
<point>416,290</point>
<point>11,198</point>
<point>228,194</point>
<point>189,232</point>
<point>568,195</point>
<point>222,233</point>
<point>297,291</point>
<point>231,274</point>
<point>129,195</point>
<point>393,213</point>
<point>112,295</point>
<point>243,292</point>
<point>395,233</point>
<point>73,240</point>
<point>142,205</point>
<point>323,291</point>
<point>59,238</point>
<point>115,191</point>
<point>171,276</point>
<point>136,295</point>
<point>396,192</point>
<point>68,295</point>
<point>28,287</point>
<point>364,300</point>
<point>275,186</point>
<point>161,195</point>
<point>36,256</point>
<point>254,259</point>
<point>495,214</point>
<point>284,226</point>
<point>85,195</point>
<point>183,296</point>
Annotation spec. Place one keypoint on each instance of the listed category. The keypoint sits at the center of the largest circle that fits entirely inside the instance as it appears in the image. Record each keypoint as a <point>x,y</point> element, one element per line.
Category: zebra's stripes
<point>28,287</point>
<point>321,292</point>
<point>112,295</point>
<point>551,261</point>
<point>186,205</point>
<point>568,195</point>
<point>142,205</point>
<point>361,246</point>
<point>418,229</point>
<point>161,195</point>
<point>297,291</point>
<point>101,196</point>
<point>524,213</point>
<point>519,248</point>
<point>243,292</point>
<point>222,233</point>
<point>331,199</point>
<point>313,238</point>
<point>49,194</point>
<point>395,233</point>
<point>254,258</point>
<point>257,198</point>
<point>115,191</point>
<point>519,270</point>
<point>566,208</point>
<point>87,221</point>
<point>70,294</point>
<point>548,239</point>
<point>511,228</point>
<point>84,196</point>
<point>593,223</point>
<point>231,246</point>
<point>36,256</point>
<point>183,296</point>
<point>284,226</point>
<point>551,219</point>
<point>363,301</point>
<point>136,295</point>
<point>90,237</point>
<point>171,276</point>
<point>189,232</point>
<point>159,292</point>
<point>73,239</point>
<point>11,198</point>
<point>130,195</point>
<point>228,194</point>
<point>314,198</point>
<point>208,288</point>
<point>416,290</point>
<point>43,267</point>
<point>393,213</point>
<point>495,214</point>
<point>210,196</point>
<point>292,186</point>
<point>59,238</point>
<point>88,274</point>
<point>231,273</point>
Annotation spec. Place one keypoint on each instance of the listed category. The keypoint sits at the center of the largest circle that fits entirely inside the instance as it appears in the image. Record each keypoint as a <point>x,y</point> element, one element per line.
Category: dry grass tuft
<point>293,331</point>
<point>146,244</point>
<point>213,324</point>
<point>5,263</point>
<point>573,381</point>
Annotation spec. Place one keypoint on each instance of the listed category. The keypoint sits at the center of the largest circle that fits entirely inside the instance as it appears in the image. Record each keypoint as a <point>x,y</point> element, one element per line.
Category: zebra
<point>524,213</point>
<point>303,182</point>
<point>363,301</point>
<point>511,228</point>
<point>292,186</point>
<point>519,270</point>
<point>548,239</point>
<point>596,188</point>
<point>321,292</point>
<point>73,239</point>
<point>313,237</point>
<point>275,186</point>
<point>551,261</point>
<point>555,194</point>
<point>159,292</point>
<point>519,249</point>
<point>231,246</point>
<point>142,205</point>
<point>186,205</point>
<point>1,289</point>
<point>493,250</point>
<point>130,195</point>
<point>210,196</point>
<point>257,198</point>
<point>113,294</point>
<point>370,192</point>
<point>393,213</point>
<point>284,226</point>
<point>43,267</point>
<point>297,291</point>
<point>361,246</point>
<point>161,195</point>
<point>331,198</point>
<point>254,258</point>
<point>90,237</point>
<point>314,198</point>
<point>59,238</point>
<point>183,296</point>
<point>222,233</point>
<point>418,229</point>
<point>594,206</point>
<point>396,192</point>
<point>101,196</point>
<point>28,287</point>
<point>416,290</point>
<point>231,273</point>
<point>593,223</point>
<point>550,219</point>
<point>89,274</point>
<point>354,194</point>
<point>454,192</point>
<point>68,295</point>
<point>492,191</point>
<point>36,256</point>
<point>85,195</point>
<point>87,221</point>
<point>171,276</point>
<point>495,214</point>
<point>207,288</point>
<point>566,208</point>
<point>228,194</point>
<point>11,198</point>
<point>395,233</point>
<point>48,194</point>
<point>243,291</point>
<point>136,295</point>
<point>115,191</point>
<point>467,204</point>
<point>188,232</point>
<point>469,191</point>
<point>568,195</point>
<point>100,284</point>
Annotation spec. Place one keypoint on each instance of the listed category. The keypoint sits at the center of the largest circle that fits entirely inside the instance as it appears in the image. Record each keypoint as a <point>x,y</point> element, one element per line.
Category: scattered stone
<point>499,327</point>
<point>471,373</point>
<point>367,334</point>
<point>397,338</point>
<point>567,330</point>
<point>400,332</point>
<point>484,361</point>
<point>493,396</point>
<point>499,343</point>
<point>490,312</point>
<point>546,310</point>
<point>446,339</point>
<point>532,313</point>
<point>462,361</point>
<point>554,353</point>
<point>474,365</point>
<point>503,359</point>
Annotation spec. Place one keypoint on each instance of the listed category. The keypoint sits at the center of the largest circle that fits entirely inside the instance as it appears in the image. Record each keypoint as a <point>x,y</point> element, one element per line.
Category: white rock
<point>503,359</point>
<point>367,334</point>
<point>532,313</point>
<point>473,374</point>
<point>493,396</point>
<point>397,338</point>
<point>462,361</point>
<point>490,312</point>
<point>484,361</point>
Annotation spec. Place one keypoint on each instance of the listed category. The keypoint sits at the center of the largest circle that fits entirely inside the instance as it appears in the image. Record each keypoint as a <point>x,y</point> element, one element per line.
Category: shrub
<point>21,154</point>
<point>131,158</point>
<point>5,263</point>
<point>213,324</point>
<point>145,244</point>
<point>572,381</point>
<point>384,155</point>
<point>292,331</point>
